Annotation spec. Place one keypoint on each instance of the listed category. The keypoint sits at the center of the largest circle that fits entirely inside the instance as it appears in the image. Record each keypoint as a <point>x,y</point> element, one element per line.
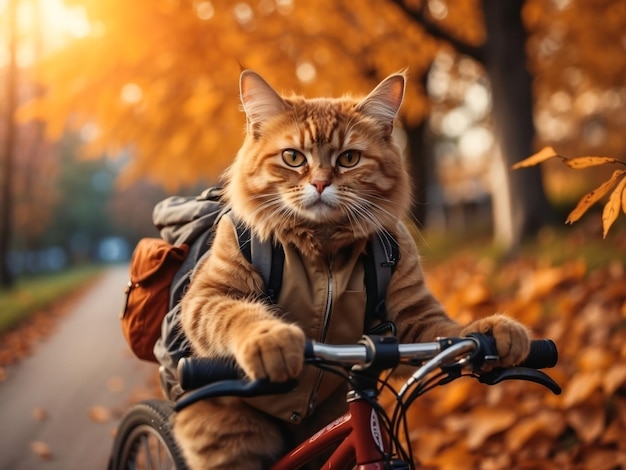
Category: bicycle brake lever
<point>235,388</point>
<point>496,376</point>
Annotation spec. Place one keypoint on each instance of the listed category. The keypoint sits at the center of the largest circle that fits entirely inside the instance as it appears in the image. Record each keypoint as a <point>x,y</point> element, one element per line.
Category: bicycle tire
<point>145,439</point>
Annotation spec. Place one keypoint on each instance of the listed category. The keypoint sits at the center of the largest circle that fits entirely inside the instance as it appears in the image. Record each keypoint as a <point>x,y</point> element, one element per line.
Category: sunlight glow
<point>131,93</point>
<point>306,72</point>
<point>61,22</point>
<point>205,10</point>
<point>46,25</point>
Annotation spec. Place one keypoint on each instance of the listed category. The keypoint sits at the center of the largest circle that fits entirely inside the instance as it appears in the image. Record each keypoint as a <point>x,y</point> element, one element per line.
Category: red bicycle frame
<point>357,436</point>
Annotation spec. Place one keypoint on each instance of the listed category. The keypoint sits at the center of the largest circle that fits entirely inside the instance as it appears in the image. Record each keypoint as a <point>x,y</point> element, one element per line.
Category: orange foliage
<point>467,425</point>
<point>160,78</point>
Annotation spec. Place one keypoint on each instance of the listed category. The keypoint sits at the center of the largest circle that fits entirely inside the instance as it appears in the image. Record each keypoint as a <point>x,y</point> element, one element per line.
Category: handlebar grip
<point>195,372</point>
<point>543,354</point>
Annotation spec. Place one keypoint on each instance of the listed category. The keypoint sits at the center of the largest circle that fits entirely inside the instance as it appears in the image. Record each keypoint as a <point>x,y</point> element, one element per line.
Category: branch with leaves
<point>434,29</point>
<point>617,182</point>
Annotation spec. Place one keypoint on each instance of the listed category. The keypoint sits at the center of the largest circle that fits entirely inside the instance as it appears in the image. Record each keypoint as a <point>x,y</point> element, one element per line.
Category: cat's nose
<point>320,185</point>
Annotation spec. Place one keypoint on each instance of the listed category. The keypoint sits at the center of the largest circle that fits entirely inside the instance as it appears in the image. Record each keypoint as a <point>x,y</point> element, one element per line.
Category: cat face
<point>319,162</point>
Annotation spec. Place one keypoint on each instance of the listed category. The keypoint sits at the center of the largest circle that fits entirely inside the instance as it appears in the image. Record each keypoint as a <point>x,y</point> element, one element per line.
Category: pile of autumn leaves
<point>467,425</point>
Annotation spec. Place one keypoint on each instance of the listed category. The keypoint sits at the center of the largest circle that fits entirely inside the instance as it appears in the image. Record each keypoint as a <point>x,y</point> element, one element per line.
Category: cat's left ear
<point>384,102</point>
<point>260,101</point>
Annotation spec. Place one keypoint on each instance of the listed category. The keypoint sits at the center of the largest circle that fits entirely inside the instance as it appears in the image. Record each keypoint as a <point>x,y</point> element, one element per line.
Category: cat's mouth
<point>320,210</point>
<point>319,207</point>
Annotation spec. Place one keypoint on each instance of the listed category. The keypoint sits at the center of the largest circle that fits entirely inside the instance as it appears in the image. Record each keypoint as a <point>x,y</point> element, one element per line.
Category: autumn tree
<point>168,95</point>
<point>8,149</point>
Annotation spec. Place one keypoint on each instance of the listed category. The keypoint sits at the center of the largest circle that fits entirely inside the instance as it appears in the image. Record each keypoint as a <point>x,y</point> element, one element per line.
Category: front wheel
<point>145,439</point>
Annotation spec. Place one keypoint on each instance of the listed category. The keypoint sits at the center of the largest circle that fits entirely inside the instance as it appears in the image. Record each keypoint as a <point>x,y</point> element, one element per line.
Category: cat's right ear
<point>260,101</point>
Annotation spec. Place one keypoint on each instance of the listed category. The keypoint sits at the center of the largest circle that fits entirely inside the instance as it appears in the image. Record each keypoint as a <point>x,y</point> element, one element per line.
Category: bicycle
<point>367,437</point>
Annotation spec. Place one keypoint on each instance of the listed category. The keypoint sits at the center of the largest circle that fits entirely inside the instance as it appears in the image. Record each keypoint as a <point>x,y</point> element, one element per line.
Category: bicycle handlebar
<point>379,351</point>
<point>437,363</point>
<point>543,355</point>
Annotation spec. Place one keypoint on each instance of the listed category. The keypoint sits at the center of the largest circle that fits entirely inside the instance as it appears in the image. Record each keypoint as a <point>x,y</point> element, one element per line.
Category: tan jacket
<point>327,299</point>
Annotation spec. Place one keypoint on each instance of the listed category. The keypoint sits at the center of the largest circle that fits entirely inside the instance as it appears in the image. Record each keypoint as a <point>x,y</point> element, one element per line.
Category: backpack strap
<point>379,263</point>
<point>267,257</point>
<point>198,250</point>
<point>382,256</point>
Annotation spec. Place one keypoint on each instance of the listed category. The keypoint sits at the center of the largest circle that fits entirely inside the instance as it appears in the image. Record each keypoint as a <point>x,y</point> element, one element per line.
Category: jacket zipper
<point>325,325</point>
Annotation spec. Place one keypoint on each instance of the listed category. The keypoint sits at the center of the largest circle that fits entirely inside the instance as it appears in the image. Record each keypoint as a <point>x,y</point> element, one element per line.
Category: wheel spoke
<point>148,451</point>
<point>145,445</point>
<point>145,440</point>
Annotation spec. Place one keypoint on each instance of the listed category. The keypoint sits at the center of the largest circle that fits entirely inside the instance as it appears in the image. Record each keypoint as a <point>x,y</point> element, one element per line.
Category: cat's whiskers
<point>369,207</point>
<point>364,210</point>
<point>362,214</point>
<point>356,224</point>
<point>267,202</point>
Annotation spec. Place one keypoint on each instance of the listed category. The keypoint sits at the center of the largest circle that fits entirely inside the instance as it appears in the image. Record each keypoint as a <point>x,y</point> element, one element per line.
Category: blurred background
<point>109,106</point>
<point>106,107</point>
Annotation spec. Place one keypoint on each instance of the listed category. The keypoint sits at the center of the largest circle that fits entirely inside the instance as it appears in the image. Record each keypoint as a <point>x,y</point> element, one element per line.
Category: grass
<point>31,295</point>
<point>552,246</point>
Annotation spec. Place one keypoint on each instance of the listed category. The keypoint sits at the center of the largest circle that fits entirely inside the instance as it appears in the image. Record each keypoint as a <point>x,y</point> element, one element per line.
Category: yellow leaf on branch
<point>617,198</point>
<point>585,162</point>
<point>544,154</point>
<point>612,207</point>
<point>594,196</point>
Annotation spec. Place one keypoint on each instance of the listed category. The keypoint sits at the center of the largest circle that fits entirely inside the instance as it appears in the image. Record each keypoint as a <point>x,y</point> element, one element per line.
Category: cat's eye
<point>349,158</point>
<point>293,158</point>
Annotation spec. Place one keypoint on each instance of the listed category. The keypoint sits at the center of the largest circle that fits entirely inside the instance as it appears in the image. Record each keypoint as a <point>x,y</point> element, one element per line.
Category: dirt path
<point>59,407</point>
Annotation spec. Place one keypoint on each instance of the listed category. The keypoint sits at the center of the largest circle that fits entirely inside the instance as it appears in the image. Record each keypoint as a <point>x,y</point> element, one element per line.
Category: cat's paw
<point>271,350</point>
<point>512,338</point>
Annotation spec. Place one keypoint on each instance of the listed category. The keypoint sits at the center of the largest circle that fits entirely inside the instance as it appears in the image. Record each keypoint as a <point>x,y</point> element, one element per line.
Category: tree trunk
<point>6,208</point>
<point>418,154</point>
<point>524,208</point>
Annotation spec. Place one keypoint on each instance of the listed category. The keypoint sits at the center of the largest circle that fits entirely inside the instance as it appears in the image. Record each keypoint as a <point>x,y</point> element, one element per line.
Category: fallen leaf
<point>483,422</point>
<point>475,293</point>
<point>40,414</point>
<point>594,358</point>
<point>588,421</point>
<point>541,282</point>
<point>541,156</point>
<point>115,384</point>
<point>99,414</point>
<point>454,458</point>
<point>614,378</point>
<point>455,396</point>
<point>614,433</point>
<point>604,459</point>
<point>431,442</point>
<point>41,449</point>
<point>499,461</point>
<point>580,387</point>
<point>545,423</point>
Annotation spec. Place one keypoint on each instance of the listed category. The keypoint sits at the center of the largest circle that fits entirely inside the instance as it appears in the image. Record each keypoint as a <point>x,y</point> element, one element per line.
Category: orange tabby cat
<point>321,176</point>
